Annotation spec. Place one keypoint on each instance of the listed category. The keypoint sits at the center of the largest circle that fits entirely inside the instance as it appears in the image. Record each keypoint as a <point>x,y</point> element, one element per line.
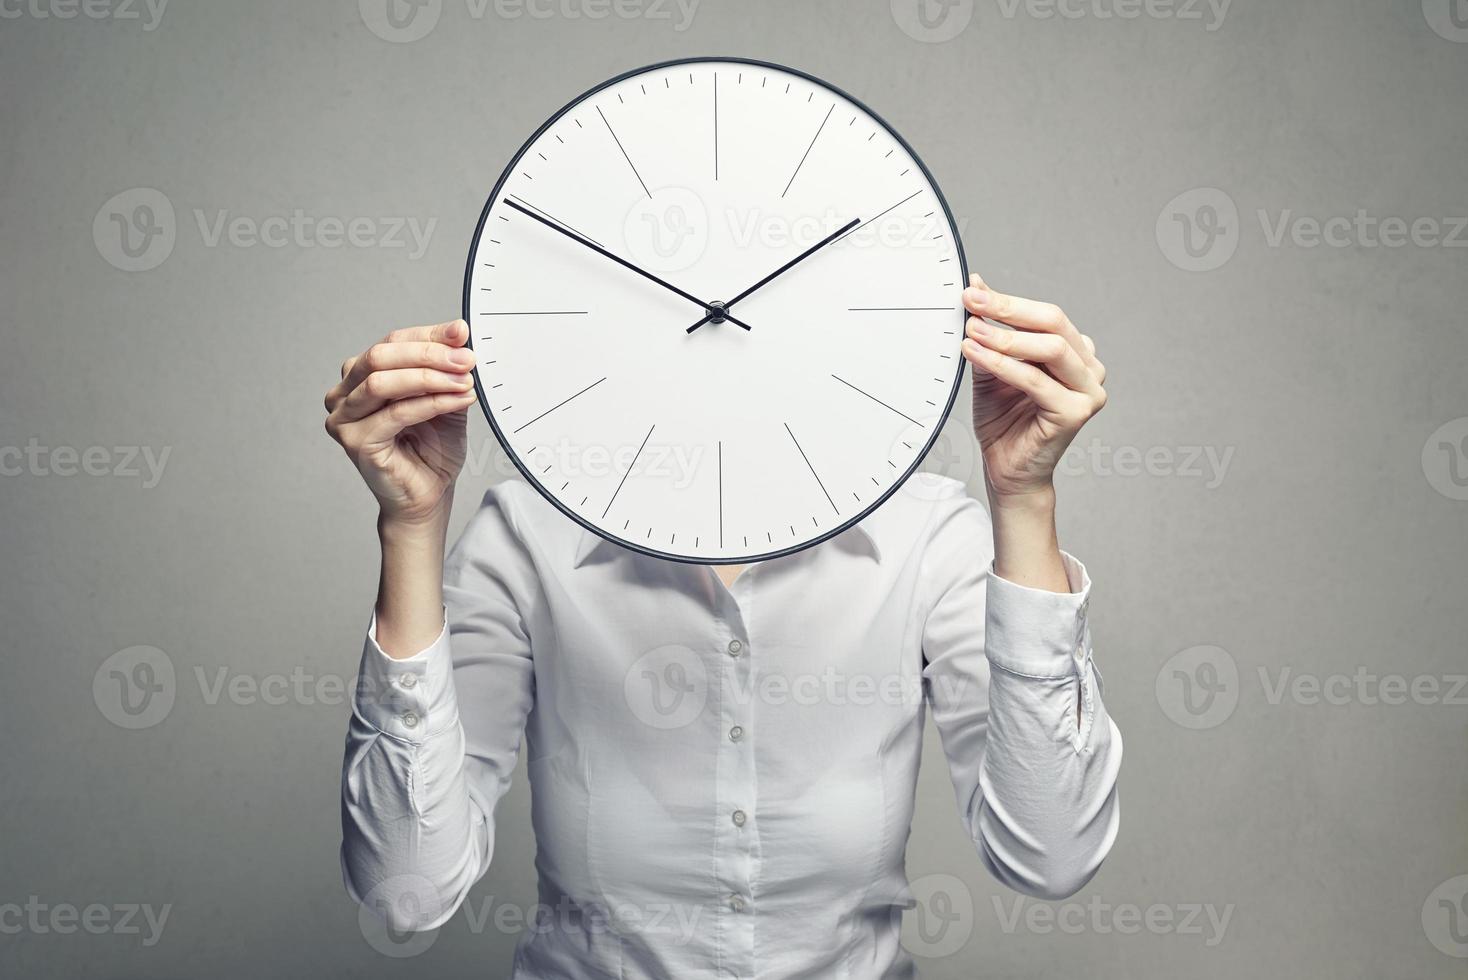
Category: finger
<point>454,333</point>
<point>1044,390</point>
<point>1059,357</point>
<point>381,387</point>
<point>384,424</point>
<point>391,356</point>
<point>1024,314</point>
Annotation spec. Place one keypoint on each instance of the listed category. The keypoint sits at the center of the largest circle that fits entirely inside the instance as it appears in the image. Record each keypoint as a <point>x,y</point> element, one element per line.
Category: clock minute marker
<point>629,470</point>
<point>624,152</point>
<point>812,469</point>
<point>878,401</point>
<point>560,403</point>
<point>813,139</point>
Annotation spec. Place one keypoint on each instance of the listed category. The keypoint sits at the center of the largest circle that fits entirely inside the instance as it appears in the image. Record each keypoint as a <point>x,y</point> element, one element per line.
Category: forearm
<point>1026,547</point>
<point>410,586</point>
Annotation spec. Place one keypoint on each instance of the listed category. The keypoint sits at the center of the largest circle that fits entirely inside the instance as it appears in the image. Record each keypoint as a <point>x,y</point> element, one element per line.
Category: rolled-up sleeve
<point>419,781</point>
<point>1033,754</point>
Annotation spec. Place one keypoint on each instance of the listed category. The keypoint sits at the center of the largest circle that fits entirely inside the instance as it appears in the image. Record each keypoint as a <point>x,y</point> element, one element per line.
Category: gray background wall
<point>1077,150</point>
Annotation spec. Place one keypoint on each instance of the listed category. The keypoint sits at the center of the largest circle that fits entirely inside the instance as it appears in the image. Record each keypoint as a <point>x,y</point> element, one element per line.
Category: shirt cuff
<point>410,699</point>
<point>1038,633</point>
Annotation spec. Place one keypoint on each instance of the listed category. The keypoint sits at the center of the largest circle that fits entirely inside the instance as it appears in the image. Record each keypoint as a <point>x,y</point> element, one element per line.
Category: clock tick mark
<point>630,465</point>
<point>878,401</point>
<point>813,139</point>
<point>560,403</point>
<point>811,468</point>
<point>624,150</point>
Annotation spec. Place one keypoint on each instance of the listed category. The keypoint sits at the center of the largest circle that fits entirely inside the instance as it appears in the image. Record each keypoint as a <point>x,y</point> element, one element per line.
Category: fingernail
<point>980,326</point>
<point>462,357</point>
<point>974,279</point>
<point>976,296</point>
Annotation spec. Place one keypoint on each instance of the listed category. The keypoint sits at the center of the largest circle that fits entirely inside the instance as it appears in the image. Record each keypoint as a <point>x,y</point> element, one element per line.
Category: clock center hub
<point>716,311</point>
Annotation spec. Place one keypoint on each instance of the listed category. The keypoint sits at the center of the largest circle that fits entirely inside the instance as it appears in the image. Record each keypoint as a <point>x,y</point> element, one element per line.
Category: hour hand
<point>710,309</point>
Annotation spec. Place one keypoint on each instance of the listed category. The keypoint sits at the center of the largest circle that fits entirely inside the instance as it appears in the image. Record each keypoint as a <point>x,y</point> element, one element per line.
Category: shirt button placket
<point>738,839</point>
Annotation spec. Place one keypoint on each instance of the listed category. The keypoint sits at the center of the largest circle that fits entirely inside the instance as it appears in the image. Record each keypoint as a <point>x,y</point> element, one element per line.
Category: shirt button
<point>736,733</point>
<point>739,818</point>
<point>410,720</point>
<point>736,902</point>
<point>735,647</point>
<point>409,681</point>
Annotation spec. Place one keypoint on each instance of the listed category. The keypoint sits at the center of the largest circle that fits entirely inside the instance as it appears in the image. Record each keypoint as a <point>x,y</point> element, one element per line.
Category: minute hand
<point>619,260</point>
<point>799,258</point>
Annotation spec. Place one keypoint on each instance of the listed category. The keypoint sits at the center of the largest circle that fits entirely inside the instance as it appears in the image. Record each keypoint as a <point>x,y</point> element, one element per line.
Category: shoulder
<point>928,516</point>
<point>513,513</point>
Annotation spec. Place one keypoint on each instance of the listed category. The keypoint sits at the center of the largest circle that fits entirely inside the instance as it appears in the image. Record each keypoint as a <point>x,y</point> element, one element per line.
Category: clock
<point>716,310</point>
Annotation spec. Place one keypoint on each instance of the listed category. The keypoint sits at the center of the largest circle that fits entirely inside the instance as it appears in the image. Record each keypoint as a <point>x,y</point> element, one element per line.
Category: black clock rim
<point>632,545</point>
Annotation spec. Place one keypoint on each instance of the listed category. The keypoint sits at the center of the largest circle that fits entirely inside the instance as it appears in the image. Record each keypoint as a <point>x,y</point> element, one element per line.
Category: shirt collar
<point>862,538</point>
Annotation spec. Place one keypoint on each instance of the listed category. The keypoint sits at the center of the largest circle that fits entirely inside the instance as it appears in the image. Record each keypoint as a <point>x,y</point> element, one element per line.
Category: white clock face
<point>623,222</point>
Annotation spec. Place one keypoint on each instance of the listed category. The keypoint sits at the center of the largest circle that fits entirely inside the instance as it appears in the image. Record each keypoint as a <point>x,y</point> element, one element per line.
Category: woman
<point>722,761</point>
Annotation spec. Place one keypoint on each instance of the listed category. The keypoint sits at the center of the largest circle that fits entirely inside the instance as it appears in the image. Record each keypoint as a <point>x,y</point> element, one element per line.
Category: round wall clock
<point>715,305</point>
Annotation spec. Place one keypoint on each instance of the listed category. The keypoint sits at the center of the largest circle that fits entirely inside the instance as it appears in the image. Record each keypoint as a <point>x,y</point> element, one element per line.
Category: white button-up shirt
<point>722,779</point>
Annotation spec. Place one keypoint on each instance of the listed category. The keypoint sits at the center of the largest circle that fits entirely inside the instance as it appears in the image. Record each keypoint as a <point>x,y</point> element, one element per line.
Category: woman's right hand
<point>399,412</point>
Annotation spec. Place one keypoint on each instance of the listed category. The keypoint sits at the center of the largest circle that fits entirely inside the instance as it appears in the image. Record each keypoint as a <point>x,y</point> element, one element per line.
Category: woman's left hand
<point>1034,387</point>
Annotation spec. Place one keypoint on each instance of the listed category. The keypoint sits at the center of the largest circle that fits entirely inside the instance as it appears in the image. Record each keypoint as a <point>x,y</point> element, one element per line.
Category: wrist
<point>1036,502</point>
<point>417,530</point>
